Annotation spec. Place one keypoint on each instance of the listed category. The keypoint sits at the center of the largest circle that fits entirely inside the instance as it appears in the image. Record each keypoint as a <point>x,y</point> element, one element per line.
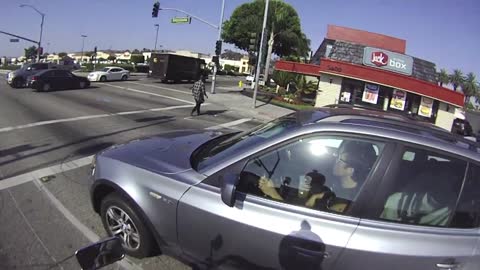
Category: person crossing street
<point>199,94</point>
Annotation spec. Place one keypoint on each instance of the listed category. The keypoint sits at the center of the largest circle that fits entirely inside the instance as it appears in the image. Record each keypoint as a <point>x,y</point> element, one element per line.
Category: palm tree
<point>443,77</point>
<point>470,87</point>
<point>456,78</point>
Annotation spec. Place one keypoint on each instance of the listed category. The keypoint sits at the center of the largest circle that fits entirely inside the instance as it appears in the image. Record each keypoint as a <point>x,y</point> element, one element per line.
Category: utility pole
<point>215,68</point>
<point>41,28</point>
<point>156,37</point>
<point>260,54</point>
<point>83,44</point>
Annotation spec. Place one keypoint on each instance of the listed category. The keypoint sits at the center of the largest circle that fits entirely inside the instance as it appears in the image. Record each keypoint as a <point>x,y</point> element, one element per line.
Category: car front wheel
<point>121,220</point>
<point>124,77</point>
<point>103,79</point>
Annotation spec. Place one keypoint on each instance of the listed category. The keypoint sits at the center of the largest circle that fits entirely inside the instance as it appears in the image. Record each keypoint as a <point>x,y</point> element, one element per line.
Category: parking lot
<point>46,145</point>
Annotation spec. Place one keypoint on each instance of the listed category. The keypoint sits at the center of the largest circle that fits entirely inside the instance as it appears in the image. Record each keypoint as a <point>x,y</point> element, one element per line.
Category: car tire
<point>83,85</point>
<point>103,79</point>
<point>111,209</point>
<point>44,87</point>
<point>124,77</point>
<point>17,83</point>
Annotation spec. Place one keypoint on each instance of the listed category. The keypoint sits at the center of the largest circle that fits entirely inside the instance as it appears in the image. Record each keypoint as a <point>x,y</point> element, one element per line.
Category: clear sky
<point>446,32</point>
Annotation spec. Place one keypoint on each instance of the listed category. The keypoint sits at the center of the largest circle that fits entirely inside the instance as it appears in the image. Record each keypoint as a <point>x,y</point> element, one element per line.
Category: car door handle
<point>447,266</point>
<point>312,253</point>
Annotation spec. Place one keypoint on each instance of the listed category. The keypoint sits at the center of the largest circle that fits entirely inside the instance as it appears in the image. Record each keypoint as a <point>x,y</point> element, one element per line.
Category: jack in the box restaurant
<point>362,68</point>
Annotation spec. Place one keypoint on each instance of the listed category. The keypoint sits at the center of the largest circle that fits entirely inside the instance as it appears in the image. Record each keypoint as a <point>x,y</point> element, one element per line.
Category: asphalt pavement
<point>46,144</point>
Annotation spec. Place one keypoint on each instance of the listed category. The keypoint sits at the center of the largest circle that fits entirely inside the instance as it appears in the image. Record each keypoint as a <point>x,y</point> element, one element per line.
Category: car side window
<point>115,70</point>
<point>467,213</point>
<point>323,173</point>
<point>424,189</point>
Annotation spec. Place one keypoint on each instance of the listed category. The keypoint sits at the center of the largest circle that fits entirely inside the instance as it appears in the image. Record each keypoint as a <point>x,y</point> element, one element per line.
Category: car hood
<point>167,153</point>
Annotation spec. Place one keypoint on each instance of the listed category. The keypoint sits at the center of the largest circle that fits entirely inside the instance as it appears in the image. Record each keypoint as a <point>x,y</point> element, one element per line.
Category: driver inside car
<point>352,165</point>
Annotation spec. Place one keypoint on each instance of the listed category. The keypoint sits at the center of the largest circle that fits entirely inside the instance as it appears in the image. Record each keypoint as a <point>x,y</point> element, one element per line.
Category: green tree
<point>112,58</point>
<point>62,54</point>
<point>284,28</point>
<point>136,52</point>
<point>31,52</point>
<point>137,58</point>
<point>101,59</point>
<point>442,77</point>
<point>456,78</point>
<point>470,87</point>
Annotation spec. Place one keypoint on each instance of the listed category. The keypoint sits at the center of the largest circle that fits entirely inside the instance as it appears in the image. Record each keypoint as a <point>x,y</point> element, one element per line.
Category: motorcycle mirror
<point>100,254</point>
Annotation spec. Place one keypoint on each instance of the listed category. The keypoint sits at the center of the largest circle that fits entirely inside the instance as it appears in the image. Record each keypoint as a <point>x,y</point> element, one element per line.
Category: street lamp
<point>83,43</point>
<point>41,28</point>
<point>156,37</point>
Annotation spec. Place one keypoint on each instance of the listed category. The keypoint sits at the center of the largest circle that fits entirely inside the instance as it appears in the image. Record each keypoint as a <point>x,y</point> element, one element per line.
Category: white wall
<point>328,92</point>
<point>445,117</point>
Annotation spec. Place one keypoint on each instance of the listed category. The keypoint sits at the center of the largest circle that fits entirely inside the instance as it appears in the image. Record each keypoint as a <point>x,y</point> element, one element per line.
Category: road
<point>46,143</point>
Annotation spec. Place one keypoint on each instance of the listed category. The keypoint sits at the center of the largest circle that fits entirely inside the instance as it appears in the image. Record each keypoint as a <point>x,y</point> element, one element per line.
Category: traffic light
<point>156,8</point>
<point>95,50</point>
<point>218,47</point>
<point>253,44</point>
<point>40,50</point>
<point>216,60</point>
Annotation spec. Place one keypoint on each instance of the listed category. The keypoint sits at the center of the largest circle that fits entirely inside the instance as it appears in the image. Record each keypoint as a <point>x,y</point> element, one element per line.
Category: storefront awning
<point>368,74</point>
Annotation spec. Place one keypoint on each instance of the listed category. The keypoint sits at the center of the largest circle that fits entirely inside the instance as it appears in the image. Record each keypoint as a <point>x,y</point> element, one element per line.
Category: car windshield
<point>220,148</point>
<point>105,69</point>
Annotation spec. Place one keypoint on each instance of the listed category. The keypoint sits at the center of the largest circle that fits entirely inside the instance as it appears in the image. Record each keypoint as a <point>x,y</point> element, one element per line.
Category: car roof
<point>368,120</point>
<point>114,67</point>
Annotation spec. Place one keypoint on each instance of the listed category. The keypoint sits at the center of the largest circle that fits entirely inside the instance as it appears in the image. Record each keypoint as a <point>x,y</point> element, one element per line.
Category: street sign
<point>14,40</point>
<point>182,20</point>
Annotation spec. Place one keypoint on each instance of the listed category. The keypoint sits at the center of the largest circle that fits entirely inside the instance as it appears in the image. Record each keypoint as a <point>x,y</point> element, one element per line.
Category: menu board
<point>426,107</point>
<point>370,94</point>
<point>399,99</point>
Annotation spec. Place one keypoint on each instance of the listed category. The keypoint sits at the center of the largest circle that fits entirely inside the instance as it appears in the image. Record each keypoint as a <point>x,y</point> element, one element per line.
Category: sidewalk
<point>233,99</point>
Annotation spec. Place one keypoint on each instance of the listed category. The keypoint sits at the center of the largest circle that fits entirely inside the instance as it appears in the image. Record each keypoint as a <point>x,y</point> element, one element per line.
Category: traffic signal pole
<point>260,55</point>
<point>215,68</point>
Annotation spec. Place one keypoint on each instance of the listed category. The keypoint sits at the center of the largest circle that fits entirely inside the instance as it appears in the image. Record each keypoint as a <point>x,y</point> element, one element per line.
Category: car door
<point>63,80</point>
<point>115,74</point>
<point>260,232</point>
<point>425,216</point>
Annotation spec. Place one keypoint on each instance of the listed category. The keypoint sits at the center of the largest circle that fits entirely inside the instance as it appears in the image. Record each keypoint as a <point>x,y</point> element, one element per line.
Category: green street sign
<point>182,20</point>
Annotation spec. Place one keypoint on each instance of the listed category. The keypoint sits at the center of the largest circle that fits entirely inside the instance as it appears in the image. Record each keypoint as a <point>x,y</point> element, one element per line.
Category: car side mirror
<point>229,188</point>
<point>100,254</point>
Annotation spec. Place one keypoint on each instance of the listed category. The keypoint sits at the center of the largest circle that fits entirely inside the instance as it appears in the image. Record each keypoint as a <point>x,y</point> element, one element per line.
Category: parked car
<point>109,74</point>
<point>55,79</point>
<point>462,127</point>
<point>335,188</point>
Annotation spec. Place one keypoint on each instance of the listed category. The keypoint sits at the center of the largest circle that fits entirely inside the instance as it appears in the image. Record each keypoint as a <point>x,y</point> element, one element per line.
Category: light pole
<point>260,55</point>
<point>220,25</point>
<point>156,37</point>
<point>41,28</point>
<point>83,43</point>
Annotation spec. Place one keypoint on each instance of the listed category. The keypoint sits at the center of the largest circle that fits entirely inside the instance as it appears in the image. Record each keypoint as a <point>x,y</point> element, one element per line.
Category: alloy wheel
<point>120,224</point>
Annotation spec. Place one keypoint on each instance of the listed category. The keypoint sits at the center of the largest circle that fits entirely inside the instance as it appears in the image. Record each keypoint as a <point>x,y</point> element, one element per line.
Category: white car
<point>109,74</point>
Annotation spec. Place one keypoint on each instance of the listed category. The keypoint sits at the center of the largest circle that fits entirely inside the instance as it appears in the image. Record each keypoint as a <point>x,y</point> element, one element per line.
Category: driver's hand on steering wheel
<point>311,202</point>
<point>268,188</point>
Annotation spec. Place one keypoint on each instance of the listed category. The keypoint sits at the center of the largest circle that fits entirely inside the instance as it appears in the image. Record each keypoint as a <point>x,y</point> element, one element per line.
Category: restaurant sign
<point>388,60</point>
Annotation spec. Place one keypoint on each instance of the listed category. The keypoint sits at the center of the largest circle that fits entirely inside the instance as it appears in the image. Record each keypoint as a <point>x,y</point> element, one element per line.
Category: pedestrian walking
<point>199,94</point>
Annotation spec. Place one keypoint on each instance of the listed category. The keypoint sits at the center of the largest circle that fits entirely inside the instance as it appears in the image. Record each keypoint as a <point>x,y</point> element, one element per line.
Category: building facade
<point>373,70</point>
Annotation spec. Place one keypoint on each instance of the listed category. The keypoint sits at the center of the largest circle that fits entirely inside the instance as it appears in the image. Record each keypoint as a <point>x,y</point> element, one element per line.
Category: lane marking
<point>89,234</point>
<point>88,117</point>
<point>161,87</point>
<point>32,230</point>
<point>37,174</point>
<point>149,93</point>
<point>230,124</point>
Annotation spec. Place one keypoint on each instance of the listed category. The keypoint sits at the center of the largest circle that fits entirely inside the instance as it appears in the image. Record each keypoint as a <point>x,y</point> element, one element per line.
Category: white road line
<point>161,87</point>
<point>230,124</point>
<point>87,117</point>
<point>37,174</point>
<point>149,93</point>
<point>89,234</point>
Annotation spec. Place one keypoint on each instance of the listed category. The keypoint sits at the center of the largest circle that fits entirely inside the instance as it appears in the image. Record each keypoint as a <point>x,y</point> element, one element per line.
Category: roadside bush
<point>10,67</point>
<point>142,69</point>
